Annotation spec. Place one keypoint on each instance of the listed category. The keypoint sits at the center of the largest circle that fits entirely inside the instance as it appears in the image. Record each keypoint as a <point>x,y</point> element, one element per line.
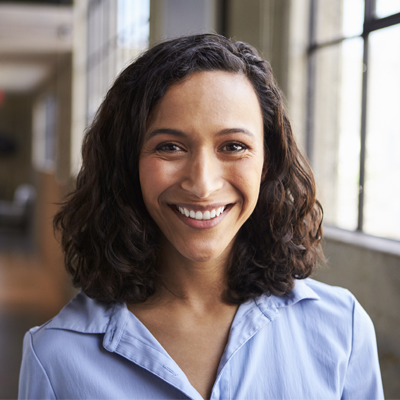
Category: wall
<point>173,18</point>
<point>79,104</point>
<point>53,184</point>
<point>50,193</point>
<point>63,82</point>
<point>373,276</point>
<point>16,123</point>
<point>263,24</point>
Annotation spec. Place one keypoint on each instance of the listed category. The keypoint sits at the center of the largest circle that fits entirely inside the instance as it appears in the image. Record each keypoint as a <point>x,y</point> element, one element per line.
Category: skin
<point>203,149</point>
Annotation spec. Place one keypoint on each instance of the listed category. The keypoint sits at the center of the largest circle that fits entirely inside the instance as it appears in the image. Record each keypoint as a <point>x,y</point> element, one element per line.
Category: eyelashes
<point>231,147</point>
<point>235,147</point>
<point>168,147</point>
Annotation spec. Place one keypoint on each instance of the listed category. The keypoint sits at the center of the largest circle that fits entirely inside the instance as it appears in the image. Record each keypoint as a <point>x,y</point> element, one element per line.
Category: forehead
<point>216,97</point>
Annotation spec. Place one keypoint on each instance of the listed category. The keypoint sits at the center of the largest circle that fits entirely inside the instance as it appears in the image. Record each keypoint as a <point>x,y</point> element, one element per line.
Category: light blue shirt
<point>315,343</point>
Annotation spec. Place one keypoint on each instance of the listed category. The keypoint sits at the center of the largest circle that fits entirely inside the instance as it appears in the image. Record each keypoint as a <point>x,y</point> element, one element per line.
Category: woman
<point>191,230</point>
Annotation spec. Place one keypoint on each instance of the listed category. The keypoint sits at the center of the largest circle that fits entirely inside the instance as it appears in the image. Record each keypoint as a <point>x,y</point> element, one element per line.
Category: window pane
<point>385,8</point>
<point>339,18</point>
<point>118,31</point>
<point>337,130</point>
<point>133,29</point>
<point>382,185</point>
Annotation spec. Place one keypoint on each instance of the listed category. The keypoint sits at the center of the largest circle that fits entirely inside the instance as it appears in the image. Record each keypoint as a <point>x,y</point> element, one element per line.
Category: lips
<point>201,215</point>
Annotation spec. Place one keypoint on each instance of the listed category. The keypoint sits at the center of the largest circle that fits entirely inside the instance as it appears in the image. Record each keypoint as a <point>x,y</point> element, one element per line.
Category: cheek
<point>248,179</point>
<point>155,176</point>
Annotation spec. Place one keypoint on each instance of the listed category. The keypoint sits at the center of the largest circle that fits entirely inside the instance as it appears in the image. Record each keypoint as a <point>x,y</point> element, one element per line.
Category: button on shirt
<point>315,343</point>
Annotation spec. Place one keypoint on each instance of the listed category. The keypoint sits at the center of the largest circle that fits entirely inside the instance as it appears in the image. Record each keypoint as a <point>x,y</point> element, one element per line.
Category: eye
<point>234,147</point>
<point>168,147</point>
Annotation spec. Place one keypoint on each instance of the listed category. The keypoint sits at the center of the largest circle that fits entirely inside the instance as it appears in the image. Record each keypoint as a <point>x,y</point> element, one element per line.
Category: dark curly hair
<point>110,241</point>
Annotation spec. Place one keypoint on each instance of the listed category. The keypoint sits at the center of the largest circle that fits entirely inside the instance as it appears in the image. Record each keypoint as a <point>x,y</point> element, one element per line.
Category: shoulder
<point>341,325</point>
<point>334,315</point>
<point>63,333</point>
<point>309,295</point>
<point>337,302</point>
<point>327,291</point>
<point>328,312</point>
<point>321,309</point>
<point>334,319</point>
<point>330,295</point>
<point>64,355</point>
<point>324,331</point>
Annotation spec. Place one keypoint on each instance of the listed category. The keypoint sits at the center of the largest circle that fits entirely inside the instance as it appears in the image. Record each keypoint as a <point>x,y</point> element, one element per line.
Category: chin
<point>202,258</point>
<point>205,252</point>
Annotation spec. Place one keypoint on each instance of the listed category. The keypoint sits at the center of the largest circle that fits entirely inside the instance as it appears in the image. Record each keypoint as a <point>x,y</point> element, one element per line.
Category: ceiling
<point>48,2</point>
<point>31,37</point>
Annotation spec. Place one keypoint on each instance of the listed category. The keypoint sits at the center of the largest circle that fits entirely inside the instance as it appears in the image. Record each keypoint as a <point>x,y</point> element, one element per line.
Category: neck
<point>198,284</point>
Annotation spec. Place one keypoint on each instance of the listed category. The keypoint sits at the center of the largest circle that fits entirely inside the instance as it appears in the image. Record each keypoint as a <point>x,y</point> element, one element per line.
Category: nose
<point>203,175</point>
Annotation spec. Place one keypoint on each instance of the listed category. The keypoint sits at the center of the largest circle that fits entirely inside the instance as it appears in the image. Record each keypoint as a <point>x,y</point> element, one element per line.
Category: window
<point>44,133</point>
<point>117,32</point>
<point>353,129</point>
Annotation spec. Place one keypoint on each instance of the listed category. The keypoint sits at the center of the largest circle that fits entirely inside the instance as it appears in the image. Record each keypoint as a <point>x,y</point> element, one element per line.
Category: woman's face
<point>201,163</point>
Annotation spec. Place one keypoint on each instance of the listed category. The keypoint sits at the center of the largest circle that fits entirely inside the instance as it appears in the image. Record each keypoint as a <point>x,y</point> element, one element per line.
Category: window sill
<point>362,240</point>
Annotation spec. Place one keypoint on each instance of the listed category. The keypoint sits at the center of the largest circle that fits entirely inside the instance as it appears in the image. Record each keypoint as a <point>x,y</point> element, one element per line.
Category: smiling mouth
<point>202,216</point>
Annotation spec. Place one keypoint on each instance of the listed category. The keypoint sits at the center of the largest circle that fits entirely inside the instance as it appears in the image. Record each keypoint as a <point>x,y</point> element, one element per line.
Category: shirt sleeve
<point>363,378</point>
<point>33,380</point>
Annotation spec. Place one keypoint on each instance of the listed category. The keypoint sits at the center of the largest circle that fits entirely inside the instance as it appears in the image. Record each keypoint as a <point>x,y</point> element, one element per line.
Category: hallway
<point>28,297</point>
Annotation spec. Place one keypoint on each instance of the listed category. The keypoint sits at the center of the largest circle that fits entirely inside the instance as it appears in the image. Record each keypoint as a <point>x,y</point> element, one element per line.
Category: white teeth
<point>201,216</point>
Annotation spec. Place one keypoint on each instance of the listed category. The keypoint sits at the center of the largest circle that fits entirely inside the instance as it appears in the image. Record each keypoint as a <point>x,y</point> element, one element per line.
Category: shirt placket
<point>128,337</point>
<point>250,321</point>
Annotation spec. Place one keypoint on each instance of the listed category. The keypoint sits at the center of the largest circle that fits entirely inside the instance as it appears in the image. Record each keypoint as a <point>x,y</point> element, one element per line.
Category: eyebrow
<point>177,132</point>
<point>235,130</point>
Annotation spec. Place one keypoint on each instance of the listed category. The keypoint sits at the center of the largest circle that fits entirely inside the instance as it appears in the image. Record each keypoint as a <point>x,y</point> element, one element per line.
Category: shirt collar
<point>269,305</point>
<point>127,336</point>
<point>254,314</point>
<point>86,315</point>
<point>83,314</point>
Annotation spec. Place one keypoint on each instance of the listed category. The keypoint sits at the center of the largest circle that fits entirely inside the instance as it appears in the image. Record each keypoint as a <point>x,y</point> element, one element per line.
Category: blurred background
<point>338,64</point>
